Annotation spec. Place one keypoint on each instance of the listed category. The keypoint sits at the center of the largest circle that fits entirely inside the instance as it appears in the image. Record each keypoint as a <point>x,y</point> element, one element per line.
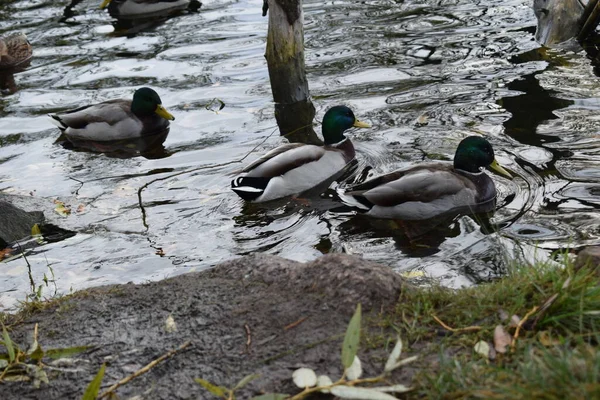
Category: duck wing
<point>424,183</point>
<point>283,159</point>
<point>110,120</point>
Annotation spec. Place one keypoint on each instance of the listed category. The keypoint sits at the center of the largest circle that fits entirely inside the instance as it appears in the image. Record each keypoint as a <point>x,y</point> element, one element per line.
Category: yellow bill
<point>162,112</point>
<point>104,4</point>
<point>494,166</point>
<point>359,124</point>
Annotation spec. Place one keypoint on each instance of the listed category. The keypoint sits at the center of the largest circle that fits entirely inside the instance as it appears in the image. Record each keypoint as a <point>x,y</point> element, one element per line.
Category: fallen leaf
<point>35,230</point>
<point>482,348</point>
<point>501,339</point>
<point>515,320</point>
<point>422,120</point>
<point>80,208</point>
<point>5,253</point>
<point>394,355</point>
<point>170,325</point>
<point>413,274</point>
<point>60,208</point>
<point>547,340</point>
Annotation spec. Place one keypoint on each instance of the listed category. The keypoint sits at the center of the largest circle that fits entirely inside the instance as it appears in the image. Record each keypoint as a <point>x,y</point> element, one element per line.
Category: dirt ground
<point>235,316</point>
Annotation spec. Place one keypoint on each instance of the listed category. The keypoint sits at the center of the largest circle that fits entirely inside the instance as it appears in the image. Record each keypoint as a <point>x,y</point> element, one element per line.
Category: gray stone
<point>15,223</point>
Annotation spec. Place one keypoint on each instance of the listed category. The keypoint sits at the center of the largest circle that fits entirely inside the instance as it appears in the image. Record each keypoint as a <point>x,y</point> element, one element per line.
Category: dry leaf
<point>80,208</point>
<point>60,208</point>
<point>514,321</point>
<point>482,348</point>
<point>422,120</point>
<point>5,253</point>
<point>546,340</point>
<point>501,339</point>
<point>170,325</point>
<point>413,274</point>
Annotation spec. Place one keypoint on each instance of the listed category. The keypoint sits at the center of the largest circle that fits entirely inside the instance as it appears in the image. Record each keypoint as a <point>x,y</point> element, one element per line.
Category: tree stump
<point>558,20</point>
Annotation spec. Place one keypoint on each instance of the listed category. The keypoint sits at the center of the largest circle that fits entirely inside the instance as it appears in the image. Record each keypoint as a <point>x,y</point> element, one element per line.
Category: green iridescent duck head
<point>337,120</point>
<point>474,153</point>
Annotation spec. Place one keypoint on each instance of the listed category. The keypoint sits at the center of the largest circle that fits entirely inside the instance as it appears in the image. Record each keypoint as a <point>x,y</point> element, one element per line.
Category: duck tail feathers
<point>354,199</point>
<point>249,188</point>
<point>58,122</point>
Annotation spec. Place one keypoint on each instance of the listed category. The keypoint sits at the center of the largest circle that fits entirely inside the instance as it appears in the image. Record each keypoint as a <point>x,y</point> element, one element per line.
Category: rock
<point>16,223</point>
<point>589,257</point>
<point>256,314</point>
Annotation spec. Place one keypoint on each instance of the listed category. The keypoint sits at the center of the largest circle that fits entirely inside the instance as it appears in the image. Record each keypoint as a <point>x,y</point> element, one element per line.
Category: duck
<point>143,8</point>
<point>117,119</point>
<point>431,190</point>
<point>15,50</point>
<point>294,168</point>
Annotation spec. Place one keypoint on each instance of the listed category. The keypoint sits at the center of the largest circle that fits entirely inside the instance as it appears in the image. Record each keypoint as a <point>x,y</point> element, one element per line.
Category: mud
<point>235,316</point>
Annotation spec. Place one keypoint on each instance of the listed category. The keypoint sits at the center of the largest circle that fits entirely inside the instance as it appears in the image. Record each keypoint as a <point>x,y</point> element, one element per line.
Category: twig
<point>521,322</point>
<point>295,324</point>
<point>145,185</point>
<point>30,273</point>
<point>467,329</point>
<point>249,338</point>
<point>81,183</point>
<point>143,370</point>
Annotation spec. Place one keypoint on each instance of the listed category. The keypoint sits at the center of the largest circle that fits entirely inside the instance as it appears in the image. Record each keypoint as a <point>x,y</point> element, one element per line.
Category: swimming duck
<point>143,8</point>
<point>296,167</point>
<point>433,189</point>
<point>116,119</point>
<point>15,50</point>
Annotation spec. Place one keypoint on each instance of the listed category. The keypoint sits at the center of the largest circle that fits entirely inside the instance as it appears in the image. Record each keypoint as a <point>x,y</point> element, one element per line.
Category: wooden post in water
<point>589,20</point>
<point>294,110</point>
<point>558,20</point>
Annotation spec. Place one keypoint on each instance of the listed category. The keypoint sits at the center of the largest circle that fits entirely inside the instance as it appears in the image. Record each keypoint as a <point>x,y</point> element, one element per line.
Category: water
<point>424,73</point>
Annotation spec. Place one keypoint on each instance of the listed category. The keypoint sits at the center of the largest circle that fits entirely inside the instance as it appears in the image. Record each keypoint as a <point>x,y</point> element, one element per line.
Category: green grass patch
<point>554,356</point>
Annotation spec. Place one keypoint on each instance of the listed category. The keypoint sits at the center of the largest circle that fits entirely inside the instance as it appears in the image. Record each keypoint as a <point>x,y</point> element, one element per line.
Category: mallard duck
<point>297,167</point>
<point>15,50</point>
<point>116,119</point>
<point>433,189</point>
<point>143,8</point>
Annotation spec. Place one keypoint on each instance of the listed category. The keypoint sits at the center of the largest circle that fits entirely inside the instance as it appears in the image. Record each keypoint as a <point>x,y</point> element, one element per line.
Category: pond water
<point>423,73</point>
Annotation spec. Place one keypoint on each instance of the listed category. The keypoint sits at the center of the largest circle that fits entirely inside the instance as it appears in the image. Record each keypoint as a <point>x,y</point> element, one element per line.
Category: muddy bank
<point>234,315</point>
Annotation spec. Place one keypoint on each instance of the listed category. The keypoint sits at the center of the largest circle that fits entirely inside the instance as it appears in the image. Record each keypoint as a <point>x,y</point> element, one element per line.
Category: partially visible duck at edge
<point>15,50</point>
<point>116,119</point>
<point>434,189</point>
<point>294,168</point>
<point>143,8</point>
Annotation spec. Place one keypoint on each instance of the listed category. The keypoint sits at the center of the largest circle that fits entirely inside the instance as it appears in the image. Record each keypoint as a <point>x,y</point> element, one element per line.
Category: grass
<point>555,354</point>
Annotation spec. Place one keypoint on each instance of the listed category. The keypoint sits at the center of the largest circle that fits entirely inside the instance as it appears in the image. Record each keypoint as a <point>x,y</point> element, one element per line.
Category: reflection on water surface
<point>424,73</point>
